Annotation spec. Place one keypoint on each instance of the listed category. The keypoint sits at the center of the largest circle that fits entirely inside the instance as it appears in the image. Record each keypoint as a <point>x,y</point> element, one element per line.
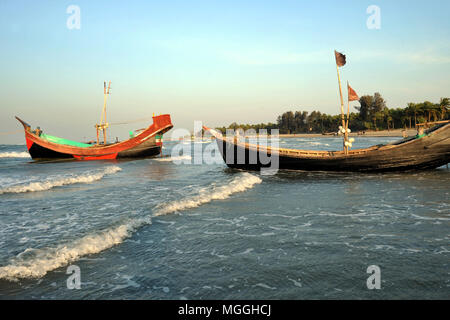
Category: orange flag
<point>352,96</point>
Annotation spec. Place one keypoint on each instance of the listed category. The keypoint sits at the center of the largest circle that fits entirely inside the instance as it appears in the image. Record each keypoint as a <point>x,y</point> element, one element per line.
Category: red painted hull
<point>142,145</point>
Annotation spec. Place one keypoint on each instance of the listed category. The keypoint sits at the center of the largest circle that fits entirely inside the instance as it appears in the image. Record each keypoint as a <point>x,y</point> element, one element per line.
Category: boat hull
<point>428,152</point>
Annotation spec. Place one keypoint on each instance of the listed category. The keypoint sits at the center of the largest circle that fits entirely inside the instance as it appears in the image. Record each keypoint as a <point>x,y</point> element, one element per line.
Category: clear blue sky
<point>216,61</point>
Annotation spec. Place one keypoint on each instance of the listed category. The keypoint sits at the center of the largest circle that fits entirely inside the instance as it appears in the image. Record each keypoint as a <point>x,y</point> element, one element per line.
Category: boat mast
<point>348,115</point>
<point>103,124</point>
<point>340,62</point>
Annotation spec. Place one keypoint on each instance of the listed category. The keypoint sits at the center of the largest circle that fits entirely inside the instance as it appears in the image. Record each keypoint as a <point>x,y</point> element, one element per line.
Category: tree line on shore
<point>373,114</point>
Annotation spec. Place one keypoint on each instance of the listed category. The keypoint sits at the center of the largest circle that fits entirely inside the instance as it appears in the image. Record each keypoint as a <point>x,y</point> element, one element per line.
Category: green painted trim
<point>64,141</point>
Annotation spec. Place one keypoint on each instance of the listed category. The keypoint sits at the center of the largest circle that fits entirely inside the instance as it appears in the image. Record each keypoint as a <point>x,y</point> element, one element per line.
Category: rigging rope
<point>111,124</point>
<point>11,132</point>
<point>130,121</point>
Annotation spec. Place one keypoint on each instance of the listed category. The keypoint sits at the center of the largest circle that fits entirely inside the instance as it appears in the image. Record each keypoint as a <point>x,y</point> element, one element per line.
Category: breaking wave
<point>177,158</point>
<point>49,184</point>
<point>14,155</point>
<point>36,263</point>
<point>239,184</point>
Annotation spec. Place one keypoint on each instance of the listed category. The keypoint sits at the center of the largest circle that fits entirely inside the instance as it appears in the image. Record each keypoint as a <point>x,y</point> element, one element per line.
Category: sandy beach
<point>381,133</point>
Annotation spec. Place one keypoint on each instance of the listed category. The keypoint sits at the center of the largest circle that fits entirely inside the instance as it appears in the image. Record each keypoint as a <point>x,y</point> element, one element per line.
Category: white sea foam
<point>14,155</point>
<point>243,182</point>
<point>177,158</point>
<point>58,182</point>
<point>265,286</point>
<point>429,218</point>
<point>296,283</point>
<point>35,263</point>
<point>318,144</point>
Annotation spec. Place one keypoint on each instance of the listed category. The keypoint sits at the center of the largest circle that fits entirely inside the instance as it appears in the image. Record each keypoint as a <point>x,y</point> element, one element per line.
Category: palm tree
<point>389,121</point>
<point>444,104</point>
<point>413,108</point>
<point>435,110</point>
<point>387,114</point>
<point>427,109</point>
<point>404,119</point>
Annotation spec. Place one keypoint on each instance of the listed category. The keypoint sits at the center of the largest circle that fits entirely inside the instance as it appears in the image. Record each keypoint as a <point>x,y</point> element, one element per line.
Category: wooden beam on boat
<point>428,124</point>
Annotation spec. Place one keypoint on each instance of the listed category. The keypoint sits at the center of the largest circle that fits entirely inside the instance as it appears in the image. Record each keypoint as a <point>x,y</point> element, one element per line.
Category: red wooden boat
<point>146,143</point>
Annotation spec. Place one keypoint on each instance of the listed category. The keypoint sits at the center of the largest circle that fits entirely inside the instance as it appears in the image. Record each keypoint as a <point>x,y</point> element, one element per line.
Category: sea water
<point>166,228</point>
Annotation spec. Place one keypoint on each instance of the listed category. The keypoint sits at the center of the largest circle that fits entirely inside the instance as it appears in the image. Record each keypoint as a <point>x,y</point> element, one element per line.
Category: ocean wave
<point>36,263</point>
<point>49,184</point>
<point>239,184</point>
<point>14,155</point>
<point>429,218</point>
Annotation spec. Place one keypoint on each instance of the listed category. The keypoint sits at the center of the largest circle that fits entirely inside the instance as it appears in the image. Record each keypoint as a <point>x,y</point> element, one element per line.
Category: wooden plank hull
<point>428,152</point>
<point>144,144</point>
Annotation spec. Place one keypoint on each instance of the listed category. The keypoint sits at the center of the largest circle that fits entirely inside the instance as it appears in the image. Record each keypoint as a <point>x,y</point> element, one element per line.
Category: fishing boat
<point>145,142</point>
<point>425,151</point>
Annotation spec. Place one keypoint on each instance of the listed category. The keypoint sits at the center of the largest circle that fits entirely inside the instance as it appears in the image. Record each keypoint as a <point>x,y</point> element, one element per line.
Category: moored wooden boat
<point>146,143</point>
<point>427,151</point>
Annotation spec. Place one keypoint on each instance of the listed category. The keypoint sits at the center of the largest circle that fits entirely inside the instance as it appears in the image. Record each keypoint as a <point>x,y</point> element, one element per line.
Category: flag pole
<point>348,115</point>
<point>348,105</point>
<point>342,107</point>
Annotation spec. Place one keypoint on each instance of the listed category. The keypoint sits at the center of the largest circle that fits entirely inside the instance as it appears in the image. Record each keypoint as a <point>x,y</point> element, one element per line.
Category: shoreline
<point>381,133</point>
